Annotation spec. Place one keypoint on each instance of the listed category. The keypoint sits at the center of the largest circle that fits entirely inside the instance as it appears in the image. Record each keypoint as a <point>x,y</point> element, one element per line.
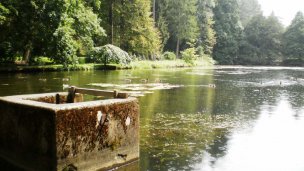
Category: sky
<point>284,9</point>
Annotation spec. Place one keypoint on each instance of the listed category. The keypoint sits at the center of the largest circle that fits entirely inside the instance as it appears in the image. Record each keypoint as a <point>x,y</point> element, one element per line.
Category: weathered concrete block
<point>37,134</point>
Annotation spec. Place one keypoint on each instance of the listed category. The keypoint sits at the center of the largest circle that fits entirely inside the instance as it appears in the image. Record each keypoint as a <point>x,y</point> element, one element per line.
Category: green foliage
<point>130,26</point>
<point>207,37</point>
<point>6,52</point>
<point>78,28</point>
<point>200,51</point>
<point>83,60</point>
<point>3,14</point>
<point>293,40</point>
<point>162,25</point>
<point>189,55</point>
<point>57,28</point>
<point>169,56</point>
<point>182,20</point>
<point>65,45</point>
<point>228,31</point>
<point>110,54</point>
<point>41,60</point>
<point>249,9</point>
<point>262,41</point>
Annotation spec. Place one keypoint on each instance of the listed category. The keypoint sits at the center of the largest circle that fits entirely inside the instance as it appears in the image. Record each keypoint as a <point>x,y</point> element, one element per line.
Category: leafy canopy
<point>293,39</point>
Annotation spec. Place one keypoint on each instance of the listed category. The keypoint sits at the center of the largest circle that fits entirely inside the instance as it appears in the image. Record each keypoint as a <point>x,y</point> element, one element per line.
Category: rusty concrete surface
<point>37,134</point>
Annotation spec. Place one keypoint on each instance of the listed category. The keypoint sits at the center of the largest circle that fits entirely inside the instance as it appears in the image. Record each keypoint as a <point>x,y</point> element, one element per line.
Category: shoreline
<point>91,66</point>
<point>133,65</point>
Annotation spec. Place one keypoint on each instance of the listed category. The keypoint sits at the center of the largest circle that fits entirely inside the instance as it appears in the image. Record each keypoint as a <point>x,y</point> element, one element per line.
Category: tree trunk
<point>26,55</point>
<point>177,48</point>
<point>122,43</point>
<point>111,22</point>
<point>154,10</point>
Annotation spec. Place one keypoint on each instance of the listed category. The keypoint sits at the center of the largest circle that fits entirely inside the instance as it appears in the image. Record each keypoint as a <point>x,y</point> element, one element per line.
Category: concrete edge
<point>25,100</point>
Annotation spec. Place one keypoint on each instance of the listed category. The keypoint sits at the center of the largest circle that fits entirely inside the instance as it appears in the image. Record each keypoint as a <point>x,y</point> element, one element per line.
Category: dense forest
<point>229,31</point>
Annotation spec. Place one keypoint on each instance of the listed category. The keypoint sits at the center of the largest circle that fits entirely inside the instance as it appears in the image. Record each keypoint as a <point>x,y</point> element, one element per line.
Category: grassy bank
<point>133,65</point>
<point>169,64</point>
<point>49,68</point>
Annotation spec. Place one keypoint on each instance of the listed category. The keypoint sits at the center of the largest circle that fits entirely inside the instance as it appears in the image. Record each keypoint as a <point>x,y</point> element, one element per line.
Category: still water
<point>221,119</point>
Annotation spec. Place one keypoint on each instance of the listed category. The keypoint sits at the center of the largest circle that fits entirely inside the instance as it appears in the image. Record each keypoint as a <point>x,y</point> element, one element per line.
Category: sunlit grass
<point>144,64</point>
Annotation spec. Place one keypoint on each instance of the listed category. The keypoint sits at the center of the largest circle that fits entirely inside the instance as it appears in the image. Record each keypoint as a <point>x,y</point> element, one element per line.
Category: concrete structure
<point>37,134</point>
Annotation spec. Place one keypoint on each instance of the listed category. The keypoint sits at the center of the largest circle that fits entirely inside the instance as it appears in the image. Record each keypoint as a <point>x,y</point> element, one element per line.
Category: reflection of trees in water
<point>217,148</point>
<point>178,141</point>
<point>295,98</point>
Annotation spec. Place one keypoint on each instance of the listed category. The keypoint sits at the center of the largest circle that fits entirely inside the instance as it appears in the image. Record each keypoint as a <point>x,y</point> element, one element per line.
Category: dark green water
<point>223,119</point>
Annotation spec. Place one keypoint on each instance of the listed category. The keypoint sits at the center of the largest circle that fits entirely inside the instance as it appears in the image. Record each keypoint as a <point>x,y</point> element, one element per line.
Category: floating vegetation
<point>170,138</point>
<point>137,90</point>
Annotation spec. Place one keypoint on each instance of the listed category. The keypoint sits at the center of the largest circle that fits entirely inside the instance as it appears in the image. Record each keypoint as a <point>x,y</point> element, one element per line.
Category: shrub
<point>41,60</point>
<point>189,55</point>
<point>200,51</point>
<point>169,56</point>
<point>82,60</point>
<point>6,53</point>
<point>110,54</point>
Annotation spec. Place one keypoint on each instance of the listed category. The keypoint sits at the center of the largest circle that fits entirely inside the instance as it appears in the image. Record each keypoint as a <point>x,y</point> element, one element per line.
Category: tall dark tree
<point>262,41</point>
<point>160,7</point>
<point>131,26</point>
<point>206,38</point>
<point>181,17</point>
<point>228,31</point>
<point>293,40</point>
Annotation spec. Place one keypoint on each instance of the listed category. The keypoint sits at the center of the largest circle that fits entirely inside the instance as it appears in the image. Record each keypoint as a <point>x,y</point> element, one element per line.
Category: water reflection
<point>251,120</point>
<point>274,143</point>
<point>242,124</point>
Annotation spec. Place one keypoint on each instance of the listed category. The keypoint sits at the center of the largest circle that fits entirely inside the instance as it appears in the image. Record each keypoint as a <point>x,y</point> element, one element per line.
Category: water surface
<point>222,119</point>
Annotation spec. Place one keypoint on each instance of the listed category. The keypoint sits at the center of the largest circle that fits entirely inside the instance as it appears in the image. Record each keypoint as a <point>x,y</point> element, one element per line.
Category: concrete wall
<point>86,135</point>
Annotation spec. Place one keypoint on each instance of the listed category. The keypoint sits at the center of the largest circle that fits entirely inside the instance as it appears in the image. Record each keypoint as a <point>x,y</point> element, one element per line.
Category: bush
<point>6,53</point>
<point>293,62</point>
<point>200,51</point>
<point>41,60</point>
<point>110,54</point>
<point>189,55</point>
<point>169,56</point>
<point>83,60</point>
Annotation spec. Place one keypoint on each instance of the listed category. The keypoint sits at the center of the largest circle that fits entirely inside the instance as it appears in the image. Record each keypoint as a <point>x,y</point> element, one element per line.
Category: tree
<point>142,37</point>
<point>78,28</point>
<point>182,21</point>
<point>228,31</point>
<point>248,9</point>
<point>160,8</point>
<point>26,29</point>
<point>131,26</point>
<point>3,14</point>
<point>59,29</point>
<point>293,39</point>
<point>262,41</point>
<point>207,38</point>
<point>189,55</point>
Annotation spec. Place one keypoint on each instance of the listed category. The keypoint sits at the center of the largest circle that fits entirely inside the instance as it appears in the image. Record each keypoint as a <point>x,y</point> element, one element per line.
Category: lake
<point>215,119</point>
